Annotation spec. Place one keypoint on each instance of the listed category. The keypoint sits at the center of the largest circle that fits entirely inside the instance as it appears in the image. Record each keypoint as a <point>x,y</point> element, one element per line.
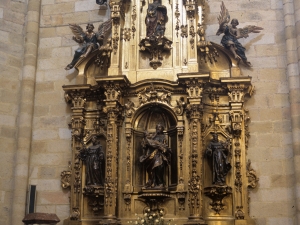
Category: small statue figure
<point>232,34</point>
<point>89,40</point>
<point>156,158</point>
<point>156,19</point>
<point>94,163</point>
<point>218,151</point>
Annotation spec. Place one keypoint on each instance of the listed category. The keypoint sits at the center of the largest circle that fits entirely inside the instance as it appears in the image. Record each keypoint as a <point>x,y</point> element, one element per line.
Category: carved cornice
<point>190,7</point>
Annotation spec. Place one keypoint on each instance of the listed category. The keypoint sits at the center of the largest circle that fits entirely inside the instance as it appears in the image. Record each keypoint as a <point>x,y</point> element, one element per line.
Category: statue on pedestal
<point>156,42</point>
<point>156,19</point>
<point>93,157</point>
<point>218,151</point>
<point>156,158</point>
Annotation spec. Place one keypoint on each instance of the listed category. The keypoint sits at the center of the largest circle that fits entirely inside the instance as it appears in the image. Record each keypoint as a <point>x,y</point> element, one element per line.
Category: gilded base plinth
<point>155,45</point>
<point>93,190</point>
<point>111,220</point>
<point>154,198</point>
<point>217,193</point>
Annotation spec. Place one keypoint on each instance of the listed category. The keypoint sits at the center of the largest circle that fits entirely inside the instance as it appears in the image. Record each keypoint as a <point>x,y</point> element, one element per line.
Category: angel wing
<point>223,18</point>
<point>76,29</point>
<point>105,28</point>
<point>249,29</point>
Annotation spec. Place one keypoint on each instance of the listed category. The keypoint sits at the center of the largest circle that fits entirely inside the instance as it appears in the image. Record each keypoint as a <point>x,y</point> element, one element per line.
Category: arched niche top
<point>95,64</point>
<point>149,115</point>
<point>224,66</point>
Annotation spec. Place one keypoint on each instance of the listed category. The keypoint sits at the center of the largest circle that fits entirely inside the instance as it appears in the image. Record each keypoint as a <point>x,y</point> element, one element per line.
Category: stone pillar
<point>291,9</point>
<point>194,89</point>
<point>26,112</point>
<point>116,11</point>
<point>113,92</point>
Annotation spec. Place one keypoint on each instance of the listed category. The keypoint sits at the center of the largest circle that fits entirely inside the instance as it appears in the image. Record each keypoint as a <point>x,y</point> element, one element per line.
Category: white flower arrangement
<point>151,218</point>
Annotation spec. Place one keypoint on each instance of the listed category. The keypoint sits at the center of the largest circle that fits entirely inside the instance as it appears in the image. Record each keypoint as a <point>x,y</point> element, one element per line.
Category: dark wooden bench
<point>41,218</point>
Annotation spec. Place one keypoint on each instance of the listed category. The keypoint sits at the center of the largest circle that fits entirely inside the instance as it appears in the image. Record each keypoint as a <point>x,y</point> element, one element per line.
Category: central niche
<point>146,129</point>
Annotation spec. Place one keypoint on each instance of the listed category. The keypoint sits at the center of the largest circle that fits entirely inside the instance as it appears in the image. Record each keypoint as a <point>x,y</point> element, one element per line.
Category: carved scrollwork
<point>65,179</point>
<point>180,133</point>
<point>194,191</point>
<point>192,35</point>
<point>251,174</point>
<point>103,57</point>
<point>206,51</point>
<point>77,175</point>
<point>75,214</point>
<point>133,16</point>
<point>238,175</point>
<point>77,126</point>
<point>177,14</point>
<point>239,213</point>
<point>179,109</point>
<point>109,191</point>
<point>247,132</point>
<point>127,199</point>
<point>129,108</point>
<point>128,133</point>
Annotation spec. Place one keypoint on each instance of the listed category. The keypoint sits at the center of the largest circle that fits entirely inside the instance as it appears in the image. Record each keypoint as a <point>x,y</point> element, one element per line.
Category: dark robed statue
<point>218,151</point>
<point>156,157</point>
<point>156,19</point>
<point>93,157</point>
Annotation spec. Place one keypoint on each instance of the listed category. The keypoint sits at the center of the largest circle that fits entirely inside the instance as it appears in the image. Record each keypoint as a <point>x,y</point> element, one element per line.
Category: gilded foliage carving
<point>217,193</point>
<point>184,31</point>
<point>133,16</point>
<point>153,94</point>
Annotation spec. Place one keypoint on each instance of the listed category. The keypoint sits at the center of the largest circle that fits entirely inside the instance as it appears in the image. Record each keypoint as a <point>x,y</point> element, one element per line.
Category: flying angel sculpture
<point>88,39</point>
<point>232,34</point>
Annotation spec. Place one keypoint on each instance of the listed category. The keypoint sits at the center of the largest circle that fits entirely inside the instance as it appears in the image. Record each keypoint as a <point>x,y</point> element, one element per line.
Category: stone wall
<point>51,145</point>
<point>12,21</point>
<point>34,116</point>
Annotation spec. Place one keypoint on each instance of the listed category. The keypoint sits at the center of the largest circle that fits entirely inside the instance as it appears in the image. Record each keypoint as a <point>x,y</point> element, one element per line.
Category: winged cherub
<point>232,34</point>
<point>88,39</point>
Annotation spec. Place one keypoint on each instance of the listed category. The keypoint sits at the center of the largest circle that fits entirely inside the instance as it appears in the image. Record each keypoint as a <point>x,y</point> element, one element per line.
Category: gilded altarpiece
<point>159,123</point>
